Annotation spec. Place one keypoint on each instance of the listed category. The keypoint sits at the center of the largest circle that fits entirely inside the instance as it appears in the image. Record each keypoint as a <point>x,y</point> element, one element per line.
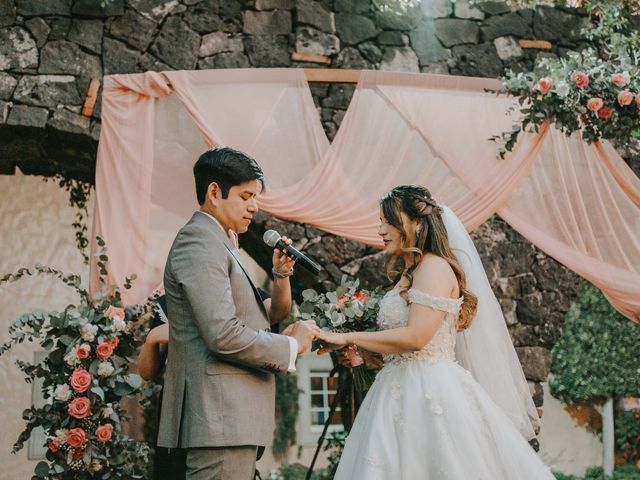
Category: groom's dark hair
<point>227,167</point>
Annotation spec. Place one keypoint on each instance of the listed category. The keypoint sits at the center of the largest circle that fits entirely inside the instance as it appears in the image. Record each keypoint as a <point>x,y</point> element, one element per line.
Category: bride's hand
<point>331,340</point>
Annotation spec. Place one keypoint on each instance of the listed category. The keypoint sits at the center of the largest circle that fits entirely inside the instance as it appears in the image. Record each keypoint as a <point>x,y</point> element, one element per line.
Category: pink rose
<point>104,432</point>
<point>80,380</point>
<point>114,342</point>
<point>54,445</point>
<point>619,79</point>
<point>360,296</point>
<point>114,312</point>
<point>545,85</point>
<point>638,101</point>
<point>580,79</point>
<point>354,357</point>
<point>83,351</point>
<point>80,407</point>
<point>625,98</point>
<point>104,350</point>
<point>76,437</point>
<point>595,104</point>
<point>341,302</point>
<point>605,113</point>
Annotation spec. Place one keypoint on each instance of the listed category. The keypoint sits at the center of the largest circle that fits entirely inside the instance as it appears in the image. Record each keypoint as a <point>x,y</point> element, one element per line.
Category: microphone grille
<point>271,237</point>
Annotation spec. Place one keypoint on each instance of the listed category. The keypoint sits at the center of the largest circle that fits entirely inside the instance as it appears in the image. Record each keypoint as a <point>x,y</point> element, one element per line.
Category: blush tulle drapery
<point>579,203</point>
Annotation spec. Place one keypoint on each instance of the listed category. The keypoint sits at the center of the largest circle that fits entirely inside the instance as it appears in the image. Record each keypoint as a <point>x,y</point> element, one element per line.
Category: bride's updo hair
<point>431,237</point>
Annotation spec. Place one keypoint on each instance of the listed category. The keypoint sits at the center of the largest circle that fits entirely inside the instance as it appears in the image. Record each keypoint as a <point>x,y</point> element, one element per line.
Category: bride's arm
<point>434,276</point>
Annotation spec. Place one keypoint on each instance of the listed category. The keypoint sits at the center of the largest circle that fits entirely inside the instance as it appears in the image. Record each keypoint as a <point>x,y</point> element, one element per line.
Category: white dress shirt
<point>293,343</point>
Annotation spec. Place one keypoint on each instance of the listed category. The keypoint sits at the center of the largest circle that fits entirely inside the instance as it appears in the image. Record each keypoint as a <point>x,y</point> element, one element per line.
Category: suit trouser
<point>221,463</point>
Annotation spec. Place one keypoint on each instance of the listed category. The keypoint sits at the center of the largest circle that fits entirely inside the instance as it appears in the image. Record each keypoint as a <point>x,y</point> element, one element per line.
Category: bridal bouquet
<point>85,373</point>
<point>345,309</point>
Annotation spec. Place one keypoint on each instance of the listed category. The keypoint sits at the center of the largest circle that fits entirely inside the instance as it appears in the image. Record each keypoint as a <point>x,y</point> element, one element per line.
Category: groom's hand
<point>304,332</point>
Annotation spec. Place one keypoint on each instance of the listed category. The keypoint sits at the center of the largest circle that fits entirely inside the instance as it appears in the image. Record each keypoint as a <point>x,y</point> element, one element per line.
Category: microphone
<point>273,239</point>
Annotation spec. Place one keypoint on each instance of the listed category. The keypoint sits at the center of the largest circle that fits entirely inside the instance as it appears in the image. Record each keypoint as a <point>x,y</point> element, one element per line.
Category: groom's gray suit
<point>219,385</point>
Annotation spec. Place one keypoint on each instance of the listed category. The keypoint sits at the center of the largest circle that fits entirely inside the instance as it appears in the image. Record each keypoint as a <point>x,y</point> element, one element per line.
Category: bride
<point>425,416</point>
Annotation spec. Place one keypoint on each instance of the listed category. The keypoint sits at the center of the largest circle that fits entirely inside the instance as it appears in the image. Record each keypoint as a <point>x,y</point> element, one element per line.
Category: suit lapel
<point>234,254</point>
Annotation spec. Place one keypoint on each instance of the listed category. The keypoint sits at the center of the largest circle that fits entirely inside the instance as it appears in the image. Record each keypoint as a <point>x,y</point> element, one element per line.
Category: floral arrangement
<point>595,91</point>
<point>346,309</point>
<point>85,374</point>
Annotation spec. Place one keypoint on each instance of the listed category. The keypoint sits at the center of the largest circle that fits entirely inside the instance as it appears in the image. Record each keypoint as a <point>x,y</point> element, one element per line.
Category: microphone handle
<point>299,257</point>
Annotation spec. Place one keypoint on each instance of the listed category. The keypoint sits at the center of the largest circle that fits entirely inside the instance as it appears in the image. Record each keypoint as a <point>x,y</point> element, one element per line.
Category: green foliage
<point>596,355</point>
<point>627,434</point>
<point>287,394</point>
<point>623,472</point>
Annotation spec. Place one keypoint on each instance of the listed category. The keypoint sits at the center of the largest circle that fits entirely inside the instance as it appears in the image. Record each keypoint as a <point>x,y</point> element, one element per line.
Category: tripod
<point>334,405</point>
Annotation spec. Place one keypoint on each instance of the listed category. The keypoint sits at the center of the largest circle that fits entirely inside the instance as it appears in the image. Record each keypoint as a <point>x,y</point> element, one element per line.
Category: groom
<point>219,393</point>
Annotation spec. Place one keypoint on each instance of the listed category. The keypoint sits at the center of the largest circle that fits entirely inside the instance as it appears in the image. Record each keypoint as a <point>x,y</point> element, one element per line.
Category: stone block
<point>310,40</point>
<point>427,46</point>
<point>311,12</point>
<point>350,57</point>
<point>371,52</point>
<point>134,29</point>
<point>18,50</point>
<point>87,33</point>
<point>476,61</point>
<point>119,58</point>
<point>64,57</point>
<point>390,37</point>
<point>503,25</point>
<point>396,15</point>
<point>67,121</point>
<point>158,10</point>
<point>47,90</point>
<point>553,24</point>
<point>219,42</point>
<point>399,59</point>
<point>93,8</point>
<point>494,8</point>
<point>7,86</point>
<point>268,51</point>
<point>507,48</point>
<point>7,13</point>
<point>360,7</point>
<point>274,4</point>
<point>276,22</point>
<point>59,28</point>
<point>452,31</point>
<point>353,29</point>
<point>225,60</point>
<point>536,362</point>
<point>39,29</point>
<point>32,8</point>
<point>26,116</point>
<point>437,8</point>
<point>464,9</point>
<point>176,44</point>
<point>339,97</point>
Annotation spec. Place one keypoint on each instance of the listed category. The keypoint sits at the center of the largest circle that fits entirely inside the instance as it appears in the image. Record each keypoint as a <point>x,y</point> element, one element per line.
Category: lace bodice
<point>394,312</point>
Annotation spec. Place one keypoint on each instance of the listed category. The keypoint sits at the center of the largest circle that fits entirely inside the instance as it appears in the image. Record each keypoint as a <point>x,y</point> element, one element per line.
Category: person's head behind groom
<point>227,184</point>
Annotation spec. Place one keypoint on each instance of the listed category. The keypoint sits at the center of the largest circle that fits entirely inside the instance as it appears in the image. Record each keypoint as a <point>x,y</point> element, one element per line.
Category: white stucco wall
<point>35,226</point>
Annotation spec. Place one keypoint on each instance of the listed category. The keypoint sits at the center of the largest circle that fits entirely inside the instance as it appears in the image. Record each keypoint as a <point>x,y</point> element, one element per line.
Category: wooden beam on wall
<point>92,97</point>
<point>331,75</point>
<point>539,44</point>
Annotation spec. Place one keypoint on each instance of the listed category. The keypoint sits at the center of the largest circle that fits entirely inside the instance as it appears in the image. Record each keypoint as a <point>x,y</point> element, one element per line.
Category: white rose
<point>105,369</point>
<point>62,393</point>
<point>562,89</point>
<point>95,465</point>
<point>88,332</point>
<point>61,435</point>
<point>107,412</point>
<point>71,358</point>
<point>119,325</point>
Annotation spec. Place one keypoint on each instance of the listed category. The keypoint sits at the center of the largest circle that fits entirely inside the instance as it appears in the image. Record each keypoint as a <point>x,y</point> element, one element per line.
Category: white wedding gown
<point>425,417</point>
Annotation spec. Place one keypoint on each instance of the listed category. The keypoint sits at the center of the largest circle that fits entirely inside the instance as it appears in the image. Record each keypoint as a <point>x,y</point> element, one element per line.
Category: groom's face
<point>237,210</point>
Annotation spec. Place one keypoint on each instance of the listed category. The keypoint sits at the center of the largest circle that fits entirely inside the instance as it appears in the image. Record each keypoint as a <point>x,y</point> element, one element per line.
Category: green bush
<point>596,355</point>
<point>627,430</point>
<point>623,472</point>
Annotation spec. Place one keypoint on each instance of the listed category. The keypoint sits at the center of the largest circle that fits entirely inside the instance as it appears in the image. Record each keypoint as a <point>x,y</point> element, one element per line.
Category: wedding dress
<point>426,417</point>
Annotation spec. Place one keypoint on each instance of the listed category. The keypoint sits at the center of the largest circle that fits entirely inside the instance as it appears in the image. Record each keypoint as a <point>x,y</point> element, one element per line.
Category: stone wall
<point>51,51</point>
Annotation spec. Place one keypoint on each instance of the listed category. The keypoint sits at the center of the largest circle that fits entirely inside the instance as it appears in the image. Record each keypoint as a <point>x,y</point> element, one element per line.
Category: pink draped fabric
<point>399,128</point>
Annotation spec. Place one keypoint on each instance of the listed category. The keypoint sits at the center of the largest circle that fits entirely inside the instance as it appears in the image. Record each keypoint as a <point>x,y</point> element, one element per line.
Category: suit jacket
<point>219,385</point>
